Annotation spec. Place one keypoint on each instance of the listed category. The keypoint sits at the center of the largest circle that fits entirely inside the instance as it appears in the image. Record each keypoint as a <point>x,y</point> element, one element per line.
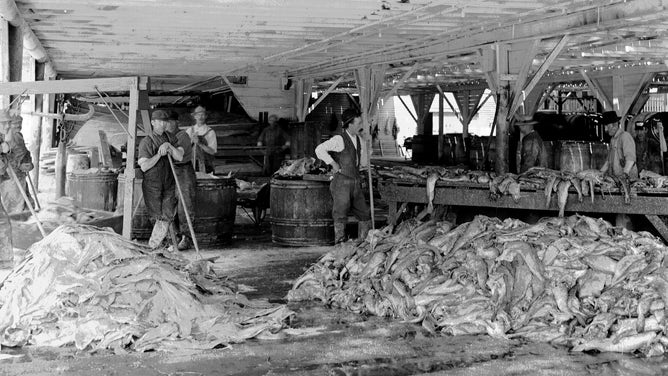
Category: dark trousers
<point>188,181</point>
<point>160,199</point>
<point>347,196</point>
<point>272,162</point>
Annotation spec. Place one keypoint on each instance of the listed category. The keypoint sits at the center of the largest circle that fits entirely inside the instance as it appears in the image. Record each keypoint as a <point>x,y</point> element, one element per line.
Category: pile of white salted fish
<point>575,281</point>
<point>91,288</point>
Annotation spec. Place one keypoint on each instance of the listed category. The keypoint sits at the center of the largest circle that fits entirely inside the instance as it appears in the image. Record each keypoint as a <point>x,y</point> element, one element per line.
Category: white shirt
<point>336,144</point>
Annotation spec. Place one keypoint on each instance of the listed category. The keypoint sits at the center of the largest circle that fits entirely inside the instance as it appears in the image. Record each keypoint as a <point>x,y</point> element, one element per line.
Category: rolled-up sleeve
<point>334,144</point>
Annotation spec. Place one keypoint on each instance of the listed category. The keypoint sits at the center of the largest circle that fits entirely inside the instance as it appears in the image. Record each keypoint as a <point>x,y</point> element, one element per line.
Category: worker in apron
<point>158,184</point>
<point>343,152</point>
<point>21,161</point>
<point>654,147</point>
<point>185,173</point>
<point>6,246</point>
<point>203,139</point>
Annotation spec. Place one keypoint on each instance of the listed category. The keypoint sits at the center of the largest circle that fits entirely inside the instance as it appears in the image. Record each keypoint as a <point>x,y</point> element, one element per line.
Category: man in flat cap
<point>185,173</point>
<point>205,144</point>
<point>21,161</point>
<point>158,185</point>
<point>531,149</point>
<point>276,142</point>
<point>6,247</point>
<point>621,160</point>
<point>344,152</point>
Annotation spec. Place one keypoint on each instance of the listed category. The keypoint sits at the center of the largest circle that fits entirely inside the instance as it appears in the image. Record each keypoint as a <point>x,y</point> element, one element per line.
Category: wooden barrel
<point>77,161</point>
<point>141,223</point>
<point>599,154</point>
<point>93,188</point>
<point>301,213</point>
<point>575,156</point>
<point>215,209</point>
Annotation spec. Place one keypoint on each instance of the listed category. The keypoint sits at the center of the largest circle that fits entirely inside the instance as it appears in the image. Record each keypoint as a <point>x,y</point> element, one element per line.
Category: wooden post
<point>15,53</point>
<point>61,156</point>
<point>502,136</point>
<point>130,163</point>
<point>4,59</point>
<point>440,126</point>
<point>36,122</point>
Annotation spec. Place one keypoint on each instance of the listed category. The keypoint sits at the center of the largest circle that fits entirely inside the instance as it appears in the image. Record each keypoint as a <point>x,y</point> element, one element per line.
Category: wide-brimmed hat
<point>348,115</point>
<point>160,115</point>
<point>609,117</point>
<point>199,109</point>
<point>521,120</point>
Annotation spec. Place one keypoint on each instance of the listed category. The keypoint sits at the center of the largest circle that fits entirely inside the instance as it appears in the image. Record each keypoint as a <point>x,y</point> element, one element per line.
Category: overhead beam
<point>69,86</point>
<point>601,95</point>
<point>326,93</point>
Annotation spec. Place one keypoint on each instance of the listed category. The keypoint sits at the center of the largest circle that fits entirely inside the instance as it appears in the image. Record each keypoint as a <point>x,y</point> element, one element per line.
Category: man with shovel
<point>21,161</point>
<point>6,247</point>
<point>158,186</point>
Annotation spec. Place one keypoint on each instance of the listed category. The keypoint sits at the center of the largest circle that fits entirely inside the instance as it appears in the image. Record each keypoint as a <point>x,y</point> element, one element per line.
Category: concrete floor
<point>330,342</point>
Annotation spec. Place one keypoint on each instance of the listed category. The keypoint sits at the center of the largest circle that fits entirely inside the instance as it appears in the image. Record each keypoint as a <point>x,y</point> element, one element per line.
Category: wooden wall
<point>263,92</point>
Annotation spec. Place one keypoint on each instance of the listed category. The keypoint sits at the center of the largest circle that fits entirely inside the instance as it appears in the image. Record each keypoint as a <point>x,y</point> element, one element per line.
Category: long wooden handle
<point>34,191</point>
<point>185,210</point>
<point>12,174</point>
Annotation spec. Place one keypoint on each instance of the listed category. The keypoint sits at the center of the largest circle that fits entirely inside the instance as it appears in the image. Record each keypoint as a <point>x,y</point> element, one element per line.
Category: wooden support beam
<point>454,110</point>
<point>33,46</point>
<point>659,225</point>
<point>4,59</point>
<point>407,109</point>
<point>594,85</point>
<point>15,54</point>
<point>523,74</point>
<point>539,73</point>
<point>68,86</point>
<point>628,93</point>
<point>128,204</point>
<point>326,93</point>
<point>441,121</point>
<point>36,122</point>
<point>401,82</point>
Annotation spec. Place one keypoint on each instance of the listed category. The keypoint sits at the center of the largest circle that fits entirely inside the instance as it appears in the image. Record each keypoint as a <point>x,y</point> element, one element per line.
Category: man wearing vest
<point>158,185</point>
<point>343,152</point>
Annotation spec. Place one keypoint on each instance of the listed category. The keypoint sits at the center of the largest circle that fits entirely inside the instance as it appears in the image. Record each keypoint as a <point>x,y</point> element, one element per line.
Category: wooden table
<point>649,202</point>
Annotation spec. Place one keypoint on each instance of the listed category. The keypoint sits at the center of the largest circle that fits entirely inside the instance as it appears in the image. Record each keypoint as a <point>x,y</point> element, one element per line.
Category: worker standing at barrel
<point>158,185</point>
<point>203,139</point>
<point>621,160</point>
<point>343,152</point>
<point>188,180</point>
<point>276,142</point>
<point>6,247</point>
<point>532,151</point>
<point>21,161</point>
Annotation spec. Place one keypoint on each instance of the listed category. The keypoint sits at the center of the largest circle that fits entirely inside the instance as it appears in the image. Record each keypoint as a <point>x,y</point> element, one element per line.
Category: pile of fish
<point>574,281</point>
<point>298,167</point>
<point>91,288</point>
<point>537,178</point>
<point>650,179</point>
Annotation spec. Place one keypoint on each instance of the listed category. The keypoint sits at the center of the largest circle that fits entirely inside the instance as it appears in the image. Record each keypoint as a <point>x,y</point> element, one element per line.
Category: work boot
<point>363,229</point>
<point>185,243</point>
<point>158,234</point>
<point>339,232</point>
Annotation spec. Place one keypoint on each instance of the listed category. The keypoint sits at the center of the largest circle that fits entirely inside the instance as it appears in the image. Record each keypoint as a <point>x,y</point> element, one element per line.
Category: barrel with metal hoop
<point>215,209</point>
<point>93,188</point>
<point>301,213</point>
